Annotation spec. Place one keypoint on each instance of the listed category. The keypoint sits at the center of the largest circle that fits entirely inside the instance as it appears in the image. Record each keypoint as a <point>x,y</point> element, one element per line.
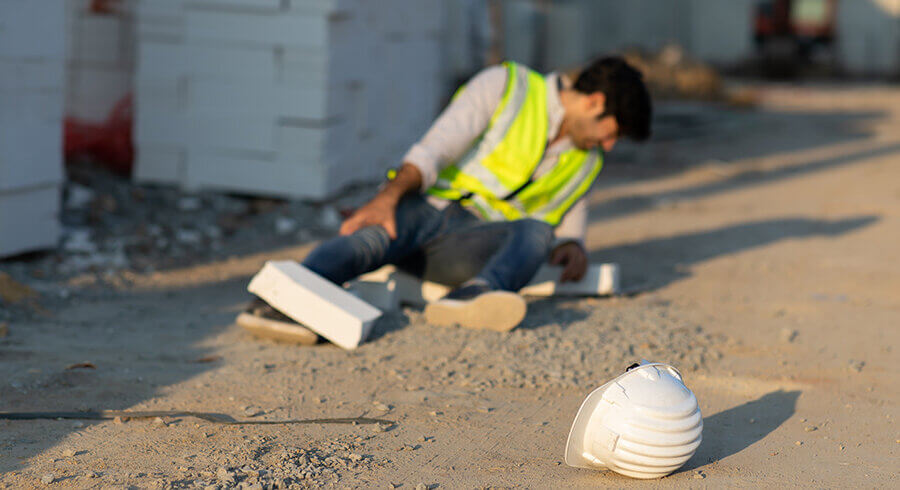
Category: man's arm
<point>380,210</point>
<point>450,136</point>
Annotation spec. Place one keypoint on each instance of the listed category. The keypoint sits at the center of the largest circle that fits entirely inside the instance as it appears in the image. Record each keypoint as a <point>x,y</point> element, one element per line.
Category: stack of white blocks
<point>99,58</point>
<point>293,98</point>
<point>32,80</point>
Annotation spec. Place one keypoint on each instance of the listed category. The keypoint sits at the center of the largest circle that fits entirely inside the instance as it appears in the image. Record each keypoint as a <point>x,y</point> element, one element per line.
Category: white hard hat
<point>644,424</point>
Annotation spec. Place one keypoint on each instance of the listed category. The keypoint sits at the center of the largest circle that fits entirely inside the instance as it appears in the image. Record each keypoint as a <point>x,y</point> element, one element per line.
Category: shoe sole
<point>500,311</point>
<point>275,330</point>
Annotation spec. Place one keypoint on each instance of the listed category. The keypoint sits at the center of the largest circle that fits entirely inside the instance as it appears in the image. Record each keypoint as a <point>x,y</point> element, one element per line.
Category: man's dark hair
<point>627,98</point>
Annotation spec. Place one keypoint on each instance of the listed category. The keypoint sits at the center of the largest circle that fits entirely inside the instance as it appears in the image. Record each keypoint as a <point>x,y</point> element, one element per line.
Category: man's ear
<point>595,104</point>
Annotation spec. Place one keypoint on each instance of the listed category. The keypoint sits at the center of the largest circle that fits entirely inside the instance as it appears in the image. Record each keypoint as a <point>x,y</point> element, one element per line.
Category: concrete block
<point>45,106</point>
<point>175,129</point>
<point>247,6</point>
<point>28,220</point>
<point>32,29</point>
<point>32,75</point>
<point>220,98</point>
<point>159,164</point>
<point>316,303</point>
<point>236,29</point>
<point>313,141</point>
<point>168,62</point>
<point>255,174</point>
<point>30,153</point>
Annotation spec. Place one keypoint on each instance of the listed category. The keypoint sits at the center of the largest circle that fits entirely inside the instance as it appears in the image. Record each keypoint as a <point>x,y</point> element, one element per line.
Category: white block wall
<point>99,58</point>
<point>292,98</point>
<point>32,81</point>
<point>868,36</point>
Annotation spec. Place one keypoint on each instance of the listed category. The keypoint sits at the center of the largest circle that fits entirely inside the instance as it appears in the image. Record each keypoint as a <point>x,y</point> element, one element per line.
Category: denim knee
<point>535,235</point>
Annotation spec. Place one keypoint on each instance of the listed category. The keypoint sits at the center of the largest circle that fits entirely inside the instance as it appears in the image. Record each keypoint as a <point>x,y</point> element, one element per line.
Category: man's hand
<point>573,258</point>
<point>377,212</point>
<point>381,209</point>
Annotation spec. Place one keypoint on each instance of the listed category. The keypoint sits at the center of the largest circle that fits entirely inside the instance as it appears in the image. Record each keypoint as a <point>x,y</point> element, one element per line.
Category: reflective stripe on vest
<point>501,162</point>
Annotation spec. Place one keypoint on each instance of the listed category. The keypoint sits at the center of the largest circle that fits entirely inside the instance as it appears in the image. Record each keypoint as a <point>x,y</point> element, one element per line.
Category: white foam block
<point>315,302</point>
<point>599,280</point>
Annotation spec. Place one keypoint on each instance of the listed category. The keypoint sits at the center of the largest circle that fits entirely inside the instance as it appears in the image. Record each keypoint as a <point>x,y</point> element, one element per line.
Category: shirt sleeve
<point>459,125</point>
<point>573,226</point>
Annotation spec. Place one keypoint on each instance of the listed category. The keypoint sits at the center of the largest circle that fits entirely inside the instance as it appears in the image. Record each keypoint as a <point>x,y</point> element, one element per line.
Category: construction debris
<point>315,302</point>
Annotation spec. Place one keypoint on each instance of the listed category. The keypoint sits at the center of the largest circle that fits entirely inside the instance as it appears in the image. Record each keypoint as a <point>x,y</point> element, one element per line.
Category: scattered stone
<point>120,420</point>
<point>840,447</point>
<point>251,411</point>
<point>752,421</point>
<point>810,428</point>
<point>285,225</point>
<point>187,236</point>
<point>355,457</point>
<point>158,421</point>
<point>798,443</point>
<point>421,486</point>
<point>224,475</point>
<point>48,478</point>
<point>788,335</point>
<point>68,453</point>
<point>381,406</point>
<point>79,241</point>
<point>698,475</point>
<point>189,203</point>
<point>78,424</point>
<point>78,196</point>
<point>855,366</point>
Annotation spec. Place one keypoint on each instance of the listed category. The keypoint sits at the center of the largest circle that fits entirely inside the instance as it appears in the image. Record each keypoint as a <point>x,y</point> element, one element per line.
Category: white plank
<point>314,302</point>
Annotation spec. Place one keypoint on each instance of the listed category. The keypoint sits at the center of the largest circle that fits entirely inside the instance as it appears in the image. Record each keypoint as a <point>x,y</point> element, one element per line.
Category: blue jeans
<point>448,246</point>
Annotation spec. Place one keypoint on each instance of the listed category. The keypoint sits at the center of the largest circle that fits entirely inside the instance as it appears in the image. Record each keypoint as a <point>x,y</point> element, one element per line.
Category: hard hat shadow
<point>731,431</point>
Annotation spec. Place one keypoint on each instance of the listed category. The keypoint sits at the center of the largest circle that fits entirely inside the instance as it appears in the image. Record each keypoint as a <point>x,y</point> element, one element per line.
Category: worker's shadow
<point>731,431</point>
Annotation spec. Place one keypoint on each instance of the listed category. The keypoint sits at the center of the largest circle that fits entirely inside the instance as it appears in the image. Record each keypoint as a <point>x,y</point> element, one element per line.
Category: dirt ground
<point>762,250</point>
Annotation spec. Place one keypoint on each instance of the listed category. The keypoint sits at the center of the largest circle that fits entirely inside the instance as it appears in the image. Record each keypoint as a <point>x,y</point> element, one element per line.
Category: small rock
<point>189,203</point>
<point>188,237</point>
<point>48,478</point>
<point>224,475</point>
<point>78,424</point>
<point>798,443</point>
<point>79,241</point>
<point>321,399</point>
<point>120,420</point>
<point>78,196</point>
<point>285,225</point>
<point>752,421</point>
<point>159,422</point>
<point>381,406</point>
<point>252,411</point>
<point>788,335</point>
<point>699,475</point>
<point>355,457</point>
<point>840,447</point>
<point>330,218</point>
<point>421,486</point>
<point>810,428</point>
<point>855,366</point>
<point>68,453</point>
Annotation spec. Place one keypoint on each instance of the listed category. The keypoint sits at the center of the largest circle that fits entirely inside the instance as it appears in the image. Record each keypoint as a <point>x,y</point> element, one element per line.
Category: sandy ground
<point>764,245</point>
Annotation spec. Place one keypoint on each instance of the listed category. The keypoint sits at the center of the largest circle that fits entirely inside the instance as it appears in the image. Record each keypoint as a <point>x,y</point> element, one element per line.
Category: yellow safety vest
<point>496,175</point>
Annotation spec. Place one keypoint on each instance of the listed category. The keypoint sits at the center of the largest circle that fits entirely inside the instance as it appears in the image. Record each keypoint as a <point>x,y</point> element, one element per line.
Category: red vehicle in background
<point>791,33</point>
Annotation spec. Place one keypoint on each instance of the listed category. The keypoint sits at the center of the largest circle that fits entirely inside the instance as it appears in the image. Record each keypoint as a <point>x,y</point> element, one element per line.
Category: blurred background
<point>133,132</point>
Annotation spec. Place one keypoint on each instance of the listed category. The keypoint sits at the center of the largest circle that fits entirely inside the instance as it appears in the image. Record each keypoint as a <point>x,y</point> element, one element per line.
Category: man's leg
<point>494,260</point>
<point>503,255</point>
<point>343,258</point>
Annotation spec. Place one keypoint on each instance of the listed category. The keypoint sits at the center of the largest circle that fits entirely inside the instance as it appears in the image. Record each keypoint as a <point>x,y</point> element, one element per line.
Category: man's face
<point>590,127</point>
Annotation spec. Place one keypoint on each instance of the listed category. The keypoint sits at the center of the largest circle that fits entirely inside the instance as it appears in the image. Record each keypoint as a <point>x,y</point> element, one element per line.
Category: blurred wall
<point>32,67</point>
<point>868,33</point>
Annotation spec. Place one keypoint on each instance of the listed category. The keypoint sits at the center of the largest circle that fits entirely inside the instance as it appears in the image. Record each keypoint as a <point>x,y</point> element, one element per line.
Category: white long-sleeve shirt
<point>467,117</point>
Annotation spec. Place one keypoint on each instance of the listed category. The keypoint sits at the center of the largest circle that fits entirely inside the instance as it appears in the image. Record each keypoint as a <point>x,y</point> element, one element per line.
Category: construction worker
<point>493,190</point>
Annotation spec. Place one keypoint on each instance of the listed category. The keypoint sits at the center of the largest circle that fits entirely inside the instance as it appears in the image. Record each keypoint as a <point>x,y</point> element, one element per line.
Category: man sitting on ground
<point>495,188</point>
